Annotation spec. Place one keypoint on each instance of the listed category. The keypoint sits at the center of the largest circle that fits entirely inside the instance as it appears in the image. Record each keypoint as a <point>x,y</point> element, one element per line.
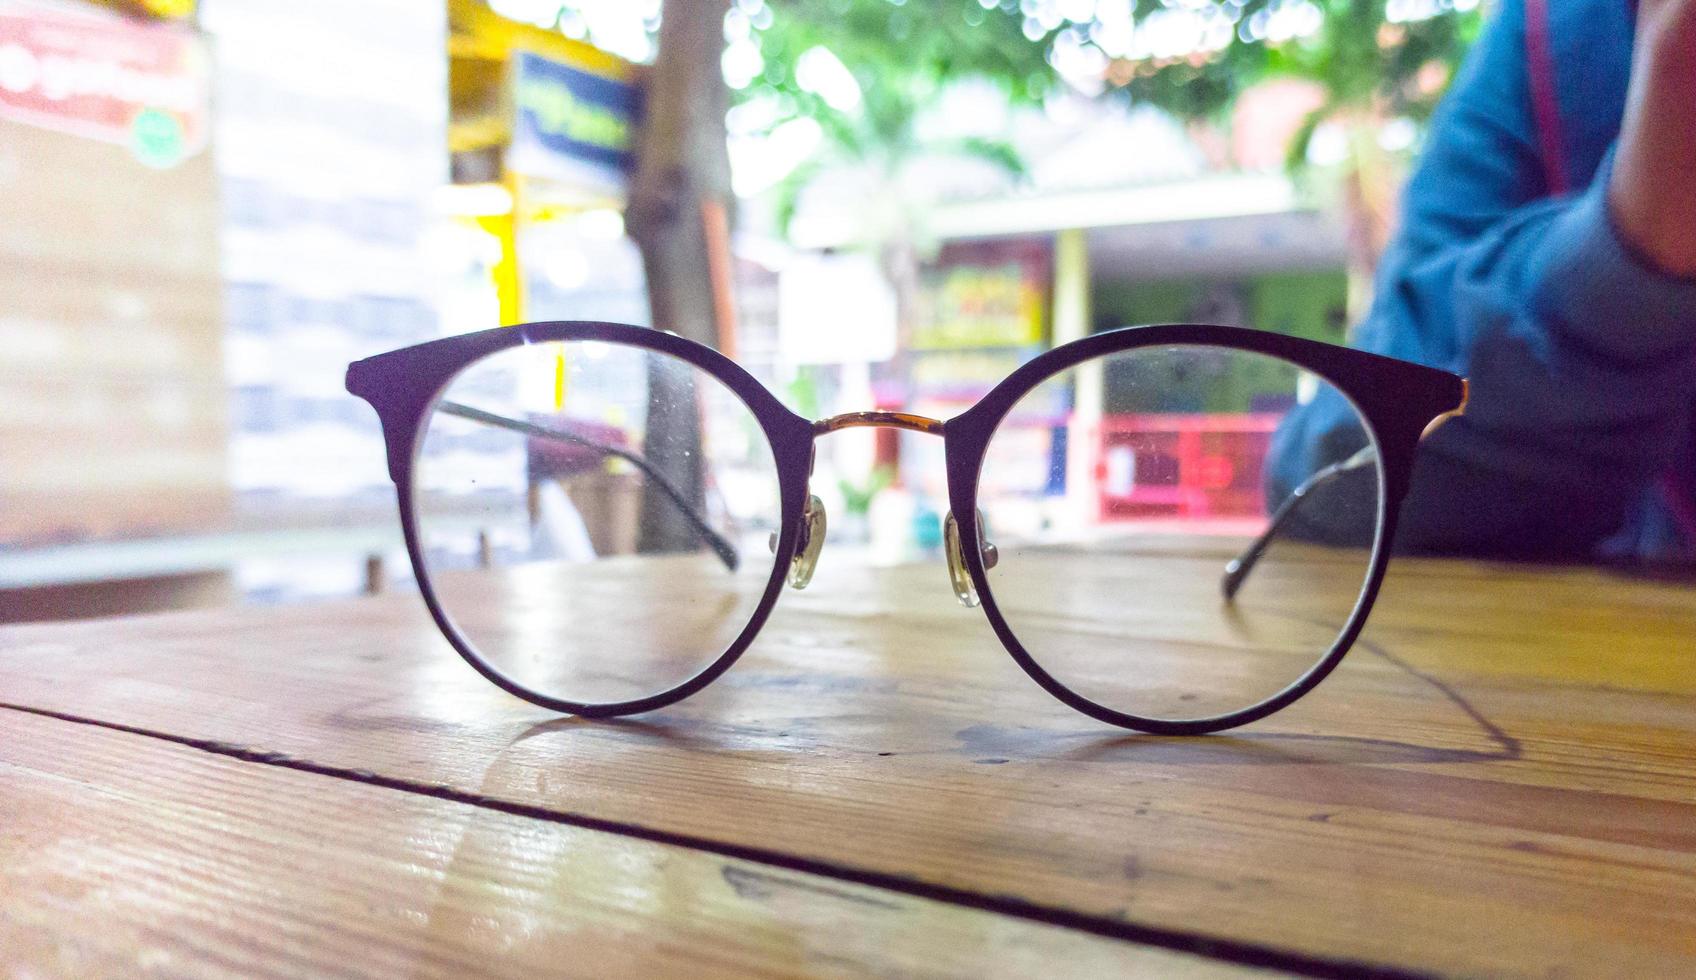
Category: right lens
<point>1117,493</point>
<point>594,517</point>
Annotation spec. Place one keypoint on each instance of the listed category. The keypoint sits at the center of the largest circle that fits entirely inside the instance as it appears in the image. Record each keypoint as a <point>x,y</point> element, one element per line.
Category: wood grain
<point>123,854</point>
<point>1501,779</point>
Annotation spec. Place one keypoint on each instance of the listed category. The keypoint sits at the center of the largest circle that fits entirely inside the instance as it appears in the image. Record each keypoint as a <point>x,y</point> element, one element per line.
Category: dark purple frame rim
<point>1396,399</point>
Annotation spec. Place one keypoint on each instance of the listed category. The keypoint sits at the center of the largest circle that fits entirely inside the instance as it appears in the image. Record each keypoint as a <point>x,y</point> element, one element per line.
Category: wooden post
<point>375,575</point>
<point>721,264</point>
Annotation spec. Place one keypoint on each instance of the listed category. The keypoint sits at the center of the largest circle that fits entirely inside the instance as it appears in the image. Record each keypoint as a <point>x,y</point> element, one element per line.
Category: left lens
<point>1117,493</point>
<point>593,517</point>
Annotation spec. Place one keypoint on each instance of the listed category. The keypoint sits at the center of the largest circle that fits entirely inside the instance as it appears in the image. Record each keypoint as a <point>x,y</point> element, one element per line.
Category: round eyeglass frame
<point>1396,400</point>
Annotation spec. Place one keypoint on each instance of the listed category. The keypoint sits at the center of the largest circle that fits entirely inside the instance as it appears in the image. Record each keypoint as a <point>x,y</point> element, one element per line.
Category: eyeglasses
<point>601,517</point>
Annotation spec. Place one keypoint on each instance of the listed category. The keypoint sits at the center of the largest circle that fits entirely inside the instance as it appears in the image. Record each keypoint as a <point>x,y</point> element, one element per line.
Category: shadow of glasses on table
<point>1258,748</point>
<point>1002,743</point>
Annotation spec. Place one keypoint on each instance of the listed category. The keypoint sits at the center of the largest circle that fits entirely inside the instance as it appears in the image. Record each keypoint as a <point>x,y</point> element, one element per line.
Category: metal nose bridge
<point>801,571</point>
<point>887,420</point>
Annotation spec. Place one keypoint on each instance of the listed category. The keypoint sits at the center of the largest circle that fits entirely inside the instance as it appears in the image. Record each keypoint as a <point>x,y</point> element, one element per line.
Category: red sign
<point>138,84</point>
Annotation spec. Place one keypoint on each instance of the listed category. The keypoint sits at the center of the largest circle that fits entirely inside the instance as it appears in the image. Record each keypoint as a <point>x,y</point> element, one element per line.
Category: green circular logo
<point>157,138</point>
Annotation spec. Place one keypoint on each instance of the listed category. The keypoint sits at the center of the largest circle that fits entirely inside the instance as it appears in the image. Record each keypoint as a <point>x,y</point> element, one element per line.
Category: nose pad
<point>812,542</point>
<point>961,579</point>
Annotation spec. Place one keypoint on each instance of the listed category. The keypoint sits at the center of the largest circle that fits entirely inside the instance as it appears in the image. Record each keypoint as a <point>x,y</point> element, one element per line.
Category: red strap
<point>1545,106</point>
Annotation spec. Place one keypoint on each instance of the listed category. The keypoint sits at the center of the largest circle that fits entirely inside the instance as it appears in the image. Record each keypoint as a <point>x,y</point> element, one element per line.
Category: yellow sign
<point>174,9</point>
<point>161,9</point>
<point>998,305</point>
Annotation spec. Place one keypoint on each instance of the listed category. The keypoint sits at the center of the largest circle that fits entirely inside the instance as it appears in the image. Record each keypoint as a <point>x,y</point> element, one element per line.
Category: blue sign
<point>570,124</point>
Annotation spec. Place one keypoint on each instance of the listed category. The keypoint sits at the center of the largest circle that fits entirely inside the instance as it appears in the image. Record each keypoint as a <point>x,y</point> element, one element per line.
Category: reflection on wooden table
<point>1136,623</point>
<point>1501,778</point>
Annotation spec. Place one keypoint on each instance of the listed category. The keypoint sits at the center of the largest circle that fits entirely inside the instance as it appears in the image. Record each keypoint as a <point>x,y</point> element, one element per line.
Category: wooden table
<point>1501,779</point>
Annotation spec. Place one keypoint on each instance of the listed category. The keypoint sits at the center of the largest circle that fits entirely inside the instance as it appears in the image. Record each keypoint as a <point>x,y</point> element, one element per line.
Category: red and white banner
<point>120,80</point>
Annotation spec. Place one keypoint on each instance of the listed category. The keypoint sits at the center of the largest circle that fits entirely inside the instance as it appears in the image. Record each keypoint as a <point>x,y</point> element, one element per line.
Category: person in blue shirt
<point>1547,251</point>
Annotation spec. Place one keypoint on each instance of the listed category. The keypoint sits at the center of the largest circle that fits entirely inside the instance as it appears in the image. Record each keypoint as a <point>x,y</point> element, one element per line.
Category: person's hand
<point>1653,190</point>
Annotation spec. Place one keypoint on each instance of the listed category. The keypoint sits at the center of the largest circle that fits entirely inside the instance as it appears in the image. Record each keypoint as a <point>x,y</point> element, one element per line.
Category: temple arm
<point>725,551</point>
<point>1237,571</point>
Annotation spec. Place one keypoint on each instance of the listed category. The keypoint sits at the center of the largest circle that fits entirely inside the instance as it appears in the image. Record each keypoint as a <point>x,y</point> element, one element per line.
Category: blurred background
<point>207,209</point>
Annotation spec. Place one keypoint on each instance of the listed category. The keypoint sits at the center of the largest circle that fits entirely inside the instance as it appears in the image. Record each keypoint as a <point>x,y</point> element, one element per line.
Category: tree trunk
<point>683,168</point>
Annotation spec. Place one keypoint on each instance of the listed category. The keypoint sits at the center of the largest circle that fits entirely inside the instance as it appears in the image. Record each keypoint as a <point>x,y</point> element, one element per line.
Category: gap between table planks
<point>1500,780</point>
<point>123,854</point>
